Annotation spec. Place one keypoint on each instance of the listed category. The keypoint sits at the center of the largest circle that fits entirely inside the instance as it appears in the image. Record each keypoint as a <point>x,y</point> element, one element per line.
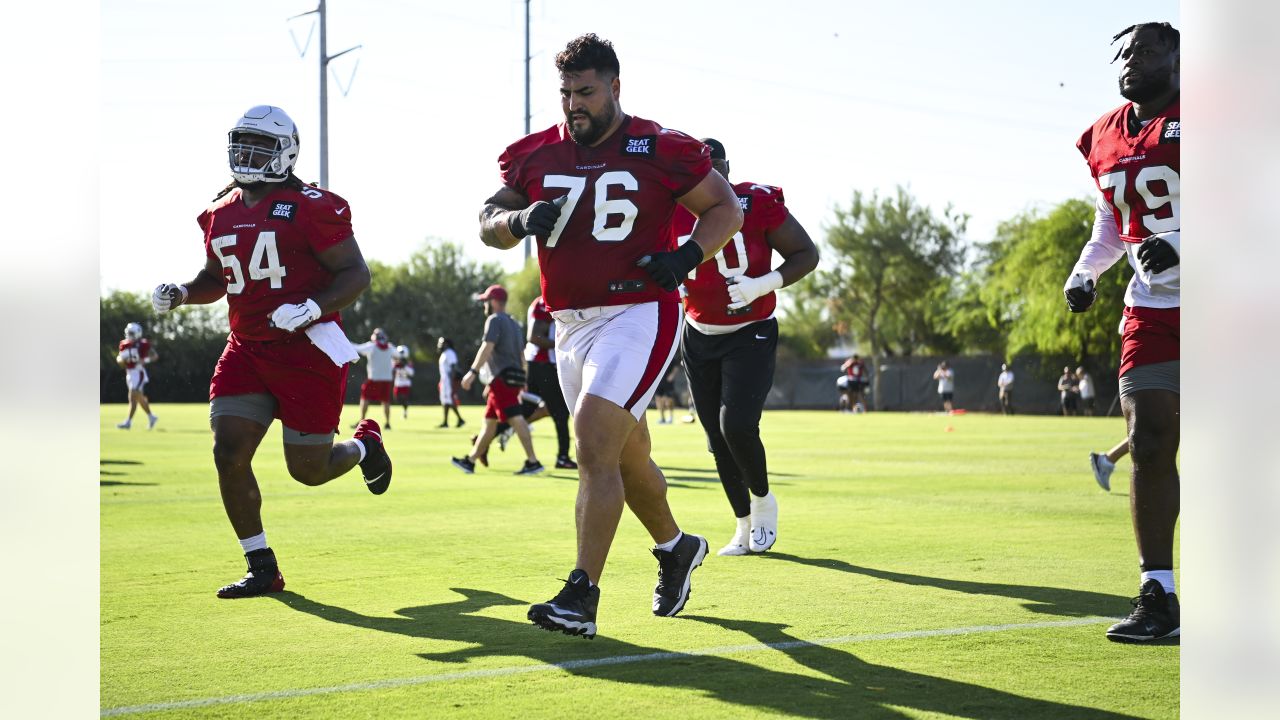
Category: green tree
<point>522,287</point>
<point>188,342</point>
<point>1022,287</point>
<point>888,258</point>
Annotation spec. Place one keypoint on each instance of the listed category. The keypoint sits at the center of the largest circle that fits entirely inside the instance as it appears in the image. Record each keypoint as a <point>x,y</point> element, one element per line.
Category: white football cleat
<point>124,425</point>
<point>738,544</point>
<point>151,421</point>
<point>1102,468</point>
<point>764,522</point>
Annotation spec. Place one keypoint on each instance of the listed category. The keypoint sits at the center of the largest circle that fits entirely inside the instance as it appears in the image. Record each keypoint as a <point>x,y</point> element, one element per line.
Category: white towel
<point>332,342</point>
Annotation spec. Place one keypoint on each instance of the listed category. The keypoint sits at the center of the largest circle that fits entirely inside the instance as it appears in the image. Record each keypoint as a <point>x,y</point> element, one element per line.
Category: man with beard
<point>730,346</point>
<point>283,254</point>
<point>598,191</point>
<point>1133,153</point>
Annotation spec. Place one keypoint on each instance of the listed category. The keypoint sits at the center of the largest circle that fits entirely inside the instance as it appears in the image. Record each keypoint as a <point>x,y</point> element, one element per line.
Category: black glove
<point>1080,295</point>
<point>537,219</point>
<point>669,269</point>
<point>1157,255</point>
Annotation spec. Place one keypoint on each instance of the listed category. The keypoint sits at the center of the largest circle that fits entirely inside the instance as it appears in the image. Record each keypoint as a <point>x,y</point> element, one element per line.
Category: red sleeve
<point>687,160</point>
<point>1085,143</point>
<point>769,206</point>
<point>329,221</point>
<point>144,348</point>
<point>540,311</point>
<point>124,345</point>
<point>512,162</point>
<point>509,169</point>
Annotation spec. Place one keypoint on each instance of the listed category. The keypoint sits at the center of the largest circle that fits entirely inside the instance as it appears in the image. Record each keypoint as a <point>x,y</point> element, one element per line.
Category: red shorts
<point>376,391</point>
<point>402,393</point>
<point>1150,336</point>
<point>307,386</point>
<point>503,402</point>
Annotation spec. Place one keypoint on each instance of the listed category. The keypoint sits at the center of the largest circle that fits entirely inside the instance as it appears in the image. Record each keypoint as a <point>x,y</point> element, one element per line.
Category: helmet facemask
<point>252,163</point>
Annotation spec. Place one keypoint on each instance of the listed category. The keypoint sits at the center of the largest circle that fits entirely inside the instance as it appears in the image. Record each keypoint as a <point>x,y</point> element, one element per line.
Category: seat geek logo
<point>745,202</point>
<point>1171,132</point>
<point>284,210</point>
<point>643,145</point>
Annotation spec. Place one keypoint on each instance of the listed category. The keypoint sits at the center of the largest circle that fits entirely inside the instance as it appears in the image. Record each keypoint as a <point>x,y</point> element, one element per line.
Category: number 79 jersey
<point>747,253</point>
<point>1137,174</point>
<point>621,196</point>
<point>269,252</point>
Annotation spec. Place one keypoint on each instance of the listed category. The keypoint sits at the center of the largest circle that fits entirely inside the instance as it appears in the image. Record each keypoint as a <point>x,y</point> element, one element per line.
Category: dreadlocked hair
<point>588,52</point>
<point>293,182</point>
<point>1167,33</point>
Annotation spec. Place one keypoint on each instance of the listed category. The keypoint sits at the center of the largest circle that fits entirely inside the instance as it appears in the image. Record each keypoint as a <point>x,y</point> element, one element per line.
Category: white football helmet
<point>132,331</point>
<point>251,163</point>
<point>402,352</point>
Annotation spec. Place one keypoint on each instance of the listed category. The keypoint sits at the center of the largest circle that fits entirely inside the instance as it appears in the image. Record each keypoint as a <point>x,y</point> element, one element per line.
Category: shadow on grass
<point>1037,598</point>
<point>712,471</point>
<point>850,687</point>
<point>113,483</point>
<point>119,462</point>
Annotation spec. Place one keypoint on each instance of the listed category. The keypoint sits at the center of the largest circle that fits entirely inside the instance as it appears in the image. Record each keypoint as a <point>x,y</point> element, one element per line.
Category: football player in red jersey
<point>1133,154</point>
<point>598,191</point>
<point>731,343</point>
<point>135,354</point>
<point>283,254</point>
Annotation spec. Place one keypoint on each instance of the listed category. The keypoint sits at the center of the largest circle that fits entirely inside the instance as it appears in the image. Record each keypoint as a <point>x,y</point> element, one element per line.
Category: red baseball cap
<point>493,292</point>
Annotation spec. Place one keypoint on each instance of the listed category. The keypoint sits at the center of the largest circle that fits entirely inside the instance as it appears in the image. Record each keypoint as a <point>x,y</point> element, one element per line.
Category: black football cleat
<point>572,611</point>
<point>263,577</point>
<point>675,566</point>
<point>1155,615</point>
<point>564,463</point>
<point>376,466</point>
<point>531,467</point>
<point>464,464</point>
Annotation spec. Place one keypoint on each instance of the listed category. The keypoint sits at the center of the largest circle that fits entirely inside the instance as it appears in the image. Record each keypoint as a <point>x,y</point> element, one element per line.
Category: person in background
<point>946,378</point>
<point>402,377</point>
<point>377,388</point>
<point>1069,392</point>
<point>1005,385</point>
<point>1087,392</point>
<point>449,386</point>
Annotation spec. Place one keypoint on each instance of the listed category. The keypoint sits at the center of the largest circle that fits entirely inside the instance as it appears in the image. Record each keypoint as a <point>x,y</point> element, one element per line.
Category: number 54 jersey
<point>621,196</point>
<point>269,252</point>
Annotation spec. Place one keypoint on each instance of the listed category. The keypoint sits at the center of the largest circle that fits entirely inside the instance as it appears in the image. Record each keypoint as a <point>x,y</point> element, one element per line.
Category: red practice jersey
<point>621,198</point>
<point>1139,173</point>
<point>134,352</point>
<point>857,370</point>
<point>268,252</point>
<point>707,300</point>
<point>538,311</point>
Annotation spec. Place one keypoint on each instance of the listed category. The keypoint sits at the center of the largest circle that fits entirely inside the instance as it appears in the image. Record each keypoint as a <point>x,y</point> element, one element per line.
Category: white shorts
<point>446,391</point>
<point>616,352</point>
<point>135,378</point>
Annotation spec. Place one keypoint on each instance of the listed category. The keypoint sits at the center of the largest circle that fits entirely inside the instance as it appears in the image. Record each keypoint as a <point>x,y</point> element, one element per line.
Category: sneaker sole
<point>1117,637</point>
<point>733,551</point>
<point>688,579</point>
<point>558,624</point>
<point>755,548</point>
<point>277,586</point>
<point>539,471</point>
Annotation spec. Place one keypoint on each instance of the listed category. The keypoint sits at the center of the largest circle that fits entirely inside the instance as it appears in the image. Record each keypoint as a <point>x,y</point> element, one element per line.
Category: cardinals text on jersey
<point>621,197</point>
<point>268,252</point>
<point>747,253</point>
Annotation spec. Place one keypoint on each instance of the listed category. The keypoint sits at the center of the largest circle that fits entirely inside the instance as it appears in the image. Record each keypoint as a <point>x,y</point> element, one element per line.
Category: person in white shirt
<point>1005,384</point>
<point>377,388</point>
<point>1087,391</point>
<point>402,374</point>
<point>449,381</point>
<point>946,378</point>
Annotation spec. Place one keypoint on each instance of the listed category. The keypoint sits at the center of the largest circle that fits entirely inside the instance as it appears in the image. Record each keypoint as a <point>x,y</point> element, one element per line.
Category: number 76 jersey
<point>269,252</point>
<point>1138,174</point>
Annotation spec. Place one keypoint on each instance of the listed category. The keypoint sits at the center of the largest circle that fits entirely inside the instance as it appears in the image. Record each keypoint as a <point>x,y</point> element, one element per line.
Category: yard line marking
<point>590,663</point>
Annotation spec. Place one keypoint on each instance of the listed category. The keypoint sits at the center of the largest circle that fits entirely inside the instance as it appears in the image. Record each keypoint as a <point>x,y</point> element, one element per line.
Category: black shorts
<point>544,383</point>
<point>946,397</point>
<point>734,371</point>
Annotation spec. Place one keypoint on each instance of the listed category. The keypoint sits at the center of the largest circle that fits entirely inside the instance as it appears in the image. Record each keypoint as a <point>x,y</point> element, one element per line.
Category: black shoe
<point>531,467</point>
<point>463,464</point>
<point>1155,615</point>
<point>461,422</point>
<point>564,463</point>
<point>376,465</point>
<point>263,577</point>
<point>572,611</point>
<point>674,568</point>
<point>444,424</point>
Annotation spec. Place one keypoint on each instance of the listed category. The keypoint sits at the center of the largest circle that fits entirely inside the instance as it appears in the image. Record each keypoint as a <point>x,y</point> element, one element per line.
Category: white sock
<point>362,450</point>
<point>666,546</point>
<point>744,527</point>
<point>1164,577</point>
<point>257,542</point>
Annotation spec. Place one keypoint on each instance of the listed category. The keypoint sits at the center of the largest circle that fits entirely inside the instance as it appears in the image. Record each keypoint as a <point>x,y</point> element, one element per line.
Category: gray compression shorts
<point>1158,376</point>
<point>261,408</point>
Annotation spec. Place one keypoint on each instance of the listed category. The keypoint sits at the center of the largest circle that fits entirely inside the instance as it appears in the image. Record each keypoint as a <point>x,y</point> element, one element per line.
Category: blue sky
<point>977,104</point>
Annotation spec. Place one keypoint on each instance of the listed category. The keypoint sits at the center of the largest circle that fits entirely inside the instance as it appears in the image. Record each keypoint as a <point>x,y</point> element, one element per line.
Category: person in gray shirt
<point>500,362</point>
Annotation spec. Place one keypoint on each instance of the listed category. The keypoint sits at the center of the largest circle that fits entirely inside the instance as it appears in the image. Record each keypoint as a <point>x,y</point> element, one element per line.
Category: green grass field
<point>927,567</point>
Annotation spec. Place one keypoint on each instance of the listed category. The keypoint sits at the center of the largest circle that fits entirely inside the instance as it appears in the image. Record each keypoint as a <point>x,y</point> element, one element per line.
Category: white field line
<point>589,663</point>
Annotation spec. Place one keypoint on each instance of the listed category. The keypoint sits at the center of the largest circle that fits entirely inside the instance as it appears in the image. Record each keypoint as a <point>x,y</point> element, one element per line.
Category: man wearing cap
<point>377,388</point>
<point>731,344</point>
<point>598,191</point>
<point>501,362</point>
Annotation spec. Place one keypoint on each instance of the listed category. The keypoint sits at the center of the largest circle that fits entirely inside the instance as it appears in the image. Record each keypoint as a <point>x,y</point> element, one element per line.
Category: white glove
<point>744,290</point>
<point>168,296</point>
<point>292,317</point>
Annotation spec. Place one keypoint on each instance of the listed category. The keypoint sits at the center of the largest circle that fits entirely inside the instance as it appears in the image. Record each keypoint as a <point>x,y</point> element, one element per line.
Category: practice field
<point>927,567</point>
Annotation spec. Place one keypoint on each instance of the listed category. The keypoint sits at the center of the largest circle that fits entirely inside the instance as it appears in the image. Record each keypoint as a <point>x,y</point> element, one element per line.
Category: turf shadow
<point>113,483</point>
<point>850,688</point>
<point>119,462</point>
<point>713,472</point>
<point>1037,598</point>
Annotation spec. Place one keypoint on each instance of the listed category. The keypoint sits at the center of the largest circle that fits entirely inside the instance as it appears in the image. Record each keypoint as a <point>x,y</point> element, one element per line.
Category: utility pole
<point>325,57</point>
<point>528,114</point>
